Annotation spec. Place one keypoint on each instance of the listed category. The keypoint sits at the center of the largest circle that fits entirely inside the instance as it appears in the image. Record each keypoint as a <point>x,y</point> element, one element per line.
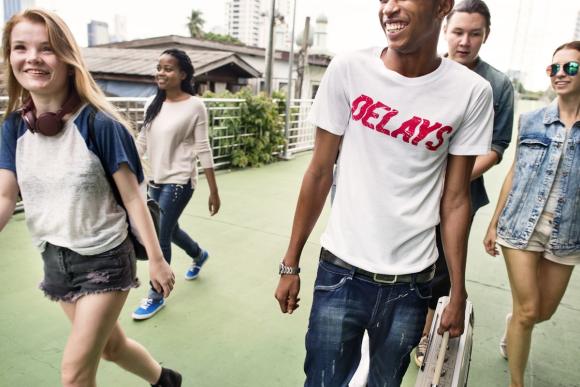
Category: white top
<point>557,186</point>
<point>397,133</point>
<point>68,199</point>
<point>174,140</point>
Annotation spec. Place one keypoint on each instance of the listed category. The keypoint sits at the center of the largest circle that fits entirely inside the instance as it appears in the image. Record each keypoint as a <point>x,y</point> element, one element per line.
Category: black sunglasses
<point>570,68</point>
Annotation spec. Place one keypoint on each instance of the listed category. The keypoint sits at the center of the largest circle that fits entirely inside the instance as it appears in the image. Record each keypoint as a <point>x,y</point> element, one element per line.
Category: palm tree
<point>195,24</point>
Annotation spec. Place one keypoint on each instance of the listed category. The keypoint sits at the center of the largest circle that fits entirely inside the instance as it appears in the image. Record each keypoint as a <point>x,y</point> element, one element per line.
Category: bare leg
<point>94,323</point>
<point>131,355</point>
<point>553,280</point>
<point>538,286</point>
<point>522,267</point>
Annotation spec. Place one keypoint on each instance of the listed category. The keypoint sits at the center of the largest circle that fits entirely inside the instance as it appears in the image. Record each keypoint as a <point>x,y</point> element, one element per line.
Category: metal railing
<point>300,132</point>
<point>224,120</point>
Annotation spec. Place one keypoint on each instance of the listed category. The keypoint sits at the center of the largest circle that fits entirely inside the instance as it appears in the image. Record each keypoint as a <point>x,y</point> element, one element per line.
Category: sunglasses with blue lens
<point>570,68</point>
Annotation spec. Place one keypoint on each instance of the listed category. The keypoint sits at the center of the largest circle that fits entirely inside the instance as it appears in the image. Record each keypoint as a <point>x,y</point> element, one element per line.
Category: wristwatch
<point>283,269</point>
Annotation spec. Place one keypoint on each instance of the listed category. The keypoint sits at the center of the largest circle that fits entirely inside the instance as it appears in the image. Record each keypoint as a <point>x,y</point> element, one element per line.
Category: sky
<point>353,24</point>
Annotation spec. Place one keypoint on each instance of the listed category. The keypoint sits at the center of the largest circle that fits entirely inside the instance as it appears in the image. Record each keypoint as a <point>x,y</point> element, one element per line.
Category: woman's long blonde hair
<point>66,49</point>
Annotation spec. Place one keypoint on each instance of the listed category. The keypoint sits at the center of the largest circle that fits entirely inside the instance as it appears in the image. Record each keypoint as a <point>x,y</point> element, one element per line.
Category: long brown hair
<point>66,49</point>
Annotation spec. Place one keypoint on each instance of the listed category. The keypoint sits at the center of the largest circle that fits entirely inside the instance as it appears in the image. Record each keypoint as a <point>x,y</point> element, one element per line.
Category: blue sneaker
<point>148,308</point>
<point>193,272</point>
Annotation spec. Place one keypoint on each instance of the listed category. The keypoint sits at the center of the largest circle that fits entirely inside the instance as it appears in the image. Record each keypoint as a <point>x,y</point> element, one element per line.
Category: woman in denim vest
<point>537,219</point>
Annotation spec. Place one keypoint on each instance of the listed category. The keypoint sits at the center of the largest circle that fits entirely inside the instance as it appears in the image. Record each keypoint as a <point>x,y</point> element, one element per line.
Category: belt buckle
<point>376,279</point>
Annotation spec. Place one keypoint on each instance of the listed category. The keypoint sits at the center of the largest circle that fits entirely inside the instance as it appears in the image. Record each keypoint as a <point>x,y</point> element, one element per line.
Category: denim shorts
<point>69,275</point>
<point>539,242</point>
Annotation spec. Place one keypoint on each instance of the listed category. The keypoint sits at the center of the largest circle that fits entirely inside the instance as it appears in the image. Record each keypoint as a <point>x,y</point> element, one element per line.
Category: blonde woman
<point>46,153</point>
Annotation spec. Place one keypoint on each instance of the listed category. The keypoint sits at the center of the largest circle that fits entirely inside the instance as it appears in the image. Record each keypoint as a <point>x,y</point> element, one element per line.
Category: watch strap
<point>283,269</point>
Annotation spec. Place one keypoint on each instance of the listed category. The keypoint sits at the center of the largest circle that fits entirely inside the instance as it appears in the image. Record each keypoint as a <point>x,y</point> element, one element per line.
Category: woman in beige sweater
<point>174,137</point>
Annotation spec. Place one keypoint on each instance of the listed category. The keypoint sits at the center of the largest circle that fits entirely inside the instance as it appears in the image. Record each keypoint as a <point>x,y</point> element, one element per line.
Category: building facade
<point>313,72</point>
<point>243,20</point>
<point>130,72</point>
<point>12,7</point>
<point>119,28</point>
<point>282,26</point>
<point>98,33</point>
<point>248,21</point>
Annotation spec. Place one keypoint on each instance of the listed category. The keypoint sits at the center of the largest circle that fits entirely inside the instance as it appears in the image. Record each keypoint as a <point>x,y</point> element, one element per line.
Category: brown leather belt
<point>388,279</point>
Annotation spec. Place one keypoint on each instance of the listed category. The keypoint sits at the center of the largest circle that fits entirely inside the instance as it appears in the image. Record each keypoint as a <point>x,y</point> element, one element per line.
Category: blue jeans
<point>345,305</point>
<point>172,199</point>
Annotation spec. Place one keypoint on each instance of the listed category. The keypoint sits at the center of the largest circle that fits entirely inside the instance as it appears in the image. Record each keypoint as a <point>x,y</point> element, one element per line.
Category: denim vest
<point>540,147</point>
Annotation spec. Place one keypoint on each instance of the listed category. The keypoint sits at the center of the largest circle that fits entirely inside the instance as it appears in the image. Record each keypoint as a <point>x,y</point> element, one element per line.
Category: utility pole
<point>270,52</point>
<point>289,94</point>
<point>303,58</point>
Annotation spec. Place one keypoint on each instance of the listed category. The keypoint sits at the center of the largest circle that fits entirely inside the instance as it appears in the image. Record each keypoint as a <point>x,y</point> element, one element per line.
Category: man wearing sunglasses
<point>409,125</point>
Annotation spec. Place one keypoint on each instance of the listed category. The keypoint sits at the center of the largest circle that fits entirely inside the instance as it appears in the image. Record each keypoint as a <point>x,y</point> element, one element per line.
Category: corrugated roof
<point>318,59</point>
<point>142,62</point>
<point>189,41</point>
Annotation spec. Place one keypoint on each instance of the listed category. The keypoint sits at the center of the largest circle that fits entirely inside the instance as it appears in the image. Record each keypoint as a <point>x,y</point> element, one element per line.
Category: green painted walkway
<point>225,329</point>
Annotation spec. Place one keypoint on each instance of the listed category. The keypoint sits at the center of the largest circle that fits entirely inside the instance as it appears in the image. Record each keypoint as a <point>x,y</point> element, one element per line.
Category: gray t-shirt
<point>503,108</point>
<point>67,197</point>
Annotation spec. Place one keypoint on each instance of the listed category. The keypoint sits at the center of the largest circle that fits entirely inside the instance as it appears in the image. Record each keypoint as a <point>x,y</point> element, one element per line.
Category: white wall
<point>279,71</point>
<point>313,74</point>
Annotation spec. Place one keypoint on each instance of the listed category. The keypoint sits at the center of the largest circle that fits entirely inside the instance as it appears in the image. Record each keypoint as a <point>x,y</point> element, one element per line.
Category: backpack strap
<point>153,207</point>
<point>93,139</point>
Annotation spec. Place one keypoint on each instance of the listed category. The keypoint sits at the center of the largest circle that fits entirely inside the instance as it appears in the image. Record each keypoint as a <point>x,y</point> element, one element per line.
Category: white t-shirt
<point>397,133</point>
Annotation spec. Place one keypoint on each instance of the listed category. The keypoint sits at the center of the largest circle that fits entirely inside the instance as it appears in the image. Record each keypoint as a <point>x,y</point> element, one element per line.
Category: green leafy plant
<point>259,130</point>
<point>221,38</point>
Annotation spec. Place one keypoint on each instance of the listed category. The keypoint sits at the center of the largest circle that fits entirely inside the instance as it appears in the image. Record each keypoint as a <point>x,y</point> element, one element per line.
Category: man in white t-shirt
<point>409,125</point>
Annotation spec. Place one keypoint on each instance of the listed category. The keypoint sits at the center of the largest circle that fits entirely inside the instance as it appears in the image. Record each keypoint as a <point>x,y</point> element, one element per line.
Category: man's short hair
<point>473,6</point>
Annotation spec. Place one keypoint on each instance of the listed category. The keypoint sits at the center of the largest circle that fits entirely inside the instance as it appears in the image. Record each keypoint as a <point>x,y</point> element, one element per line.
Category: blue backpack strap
<point>93,139</point>
<point>153,206</point>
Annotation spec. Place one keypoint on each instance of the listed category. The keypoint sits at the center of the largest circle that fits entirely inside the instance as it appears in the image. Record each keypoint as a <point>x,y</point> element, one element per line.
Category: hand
<point>489,241</point>
<point>453,317</point>
<point>161,276</point>
<point>287,292</point>
<point>214,203</point>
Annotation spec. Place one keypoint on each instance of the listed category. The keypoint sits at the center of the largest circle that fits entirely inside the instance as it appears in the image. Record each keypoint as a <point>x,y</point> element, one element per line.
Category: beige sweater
<point>174,141</point>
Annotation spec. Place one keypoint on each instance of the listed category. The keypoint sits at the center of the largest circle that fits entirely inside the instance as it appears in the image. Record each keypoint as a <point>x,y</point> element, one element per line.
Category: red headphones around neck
<point>49,123</point>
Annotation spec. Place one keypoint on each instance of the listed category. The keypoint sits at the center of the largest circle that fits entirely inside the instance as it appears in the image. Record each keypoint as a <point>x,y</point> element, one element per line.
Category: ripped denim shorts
<point>69,275</point>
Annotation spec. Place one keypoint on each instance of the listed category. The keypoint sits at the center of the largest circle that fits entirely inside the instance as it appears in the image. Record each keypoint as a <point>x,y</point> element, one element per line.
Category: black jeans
<point>69,275</point>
